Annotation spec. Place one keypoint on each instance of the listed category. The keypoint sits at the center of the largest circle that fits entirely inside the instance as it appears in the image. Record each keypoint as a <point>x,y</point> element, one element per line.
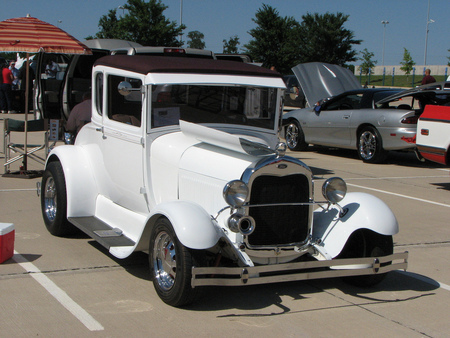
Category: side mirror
<point>124,88</point>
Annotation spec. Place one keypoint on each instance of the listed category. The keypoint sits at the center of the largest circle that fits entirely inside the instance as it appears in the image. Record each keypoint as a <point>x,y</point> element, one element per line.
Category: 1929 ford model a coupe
<point>182,160</point>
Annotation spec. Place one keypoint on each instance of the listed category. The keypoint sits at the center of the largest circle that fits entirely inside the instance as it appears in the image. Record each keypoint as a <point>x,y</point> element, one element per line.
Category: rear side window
<point>99,93</point>
<point>124,108</point>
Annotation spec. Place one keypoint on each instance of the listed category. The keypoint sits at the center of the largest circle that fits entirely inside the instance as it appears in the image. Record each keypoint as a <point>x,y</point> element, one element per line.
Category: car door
<point>122,143</point>
<point>331,125</point>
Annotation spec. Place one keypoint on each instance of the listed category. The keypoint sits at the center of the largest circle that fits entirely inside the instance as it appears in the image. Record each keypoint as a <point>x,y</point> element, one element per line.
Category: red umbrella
<point>32,35</point>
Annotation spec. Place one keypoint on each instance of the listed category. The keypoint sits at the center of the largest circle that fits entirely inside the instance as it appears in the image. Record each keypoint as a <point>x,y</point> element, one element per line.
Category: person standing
<point>428,78</point>
<point>6,91</point>
<point>15,73</point>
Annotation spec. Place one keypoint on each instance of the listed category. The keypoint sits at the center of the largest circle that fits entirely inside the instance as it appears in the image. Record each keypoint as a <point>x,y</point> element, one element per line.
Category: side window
<point>124,108</point>
<point>99,93</point>
<point>352,101</point>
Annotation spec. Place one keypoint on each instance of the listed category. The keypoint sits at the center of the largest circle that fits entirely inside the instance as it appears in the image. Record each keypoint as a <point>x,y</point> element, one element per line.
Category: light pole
<point>123,10</point>
<point>384,22</point>
<point>426,34</point>
<point>181,18</point>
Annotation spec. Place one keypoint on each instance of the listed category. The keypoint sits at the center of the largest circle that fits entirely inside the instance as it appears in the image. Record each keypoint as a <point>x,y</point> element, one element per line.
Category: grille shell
<point>271,184</point>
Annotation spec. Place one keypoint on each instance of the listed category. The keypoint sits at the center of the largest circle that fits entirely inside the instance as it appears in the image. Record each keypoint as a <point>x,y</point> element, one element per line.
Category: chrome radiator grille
<point>279,224</point>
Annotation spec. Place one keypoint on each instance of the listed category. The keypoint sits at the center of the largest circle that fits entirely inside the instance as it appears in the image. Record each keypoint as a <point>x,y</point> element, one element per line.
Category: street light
<point>426,34</point>
<point>123,10</point>
<point>384,22</point>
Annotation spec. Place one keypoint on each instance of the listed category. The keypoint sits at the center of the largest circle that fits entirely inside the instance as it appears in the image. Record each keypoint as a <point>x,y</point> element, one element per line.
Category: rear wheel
<point>54,201</point>
<point>366,243</point>
<point>171,266</point>
<point>370,146</point>
<point>295,139</point>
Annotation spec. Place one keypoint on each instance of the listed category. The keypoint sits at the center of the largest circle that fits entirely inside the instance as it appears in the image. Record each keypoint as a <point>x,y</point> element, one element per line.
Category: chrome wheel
<point>295,139</point>
<point>292,135</point>
<point>54,201</point>
<point>50,199</point>
<point>170,265</point>
<point>367,145</point>
<point>370,146</point>
<point>164,261</point>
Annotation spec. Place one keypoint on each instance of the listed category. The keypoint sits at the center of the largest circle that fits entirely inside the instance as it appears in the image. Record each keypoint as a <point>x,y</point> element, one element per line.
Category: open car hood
<point>242,144</point>
<point>322,80</point>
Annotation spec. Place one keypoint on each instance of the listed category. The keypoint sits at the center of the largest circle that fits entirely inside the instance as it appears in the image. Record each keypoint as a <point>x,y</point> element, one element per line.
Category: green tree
<point>448,58</point>
<point>274,41</point>
<point>144,22</point>
<point>231,46</point>
<point>407,62</point>
<point>196,40</point>
<point>323,38</point>
<point>367,62</point>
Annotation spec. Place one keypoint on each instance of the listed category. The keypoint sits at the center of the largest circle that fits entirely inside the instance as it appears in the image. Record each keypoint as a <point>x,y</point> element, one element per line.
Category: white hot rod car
<point>182,160</point>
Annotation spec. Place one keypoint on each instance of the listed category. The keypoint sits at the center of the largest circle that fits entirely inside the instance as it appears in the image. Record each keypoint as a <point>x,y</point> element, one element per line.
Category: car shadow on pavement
<point>260,297</point>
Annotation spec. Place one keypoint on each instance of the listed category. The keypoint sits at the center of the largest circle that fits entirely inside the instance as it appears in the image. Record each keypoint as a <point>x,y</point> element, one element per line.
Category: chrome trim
<point>251,275</point>
<point>279,166</point>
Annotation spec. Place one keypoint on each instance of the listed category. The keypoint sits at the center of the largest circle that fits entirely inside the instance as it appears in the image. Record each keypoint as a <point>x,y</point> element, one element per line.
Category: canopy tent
<point>31,35</point>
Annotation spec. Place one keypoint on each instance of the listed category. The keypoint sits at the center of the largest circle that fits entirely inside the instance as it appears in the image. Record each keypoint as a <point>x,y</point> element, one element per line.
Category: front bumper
<point>265,274</point>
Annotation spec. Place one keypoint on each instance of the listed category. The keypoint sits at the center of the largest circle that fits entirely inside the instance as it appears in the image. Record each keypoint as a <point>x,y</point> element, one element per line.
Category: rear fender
<point>81,187</point>
<point>363,211</point>
<point>193,226</point>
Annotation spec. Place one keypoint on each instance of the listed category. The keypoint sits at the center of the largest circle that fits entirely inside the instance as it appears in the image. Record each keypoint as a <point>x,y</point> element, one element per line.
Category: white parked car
<point>199,180</point>
<point>433,134</point>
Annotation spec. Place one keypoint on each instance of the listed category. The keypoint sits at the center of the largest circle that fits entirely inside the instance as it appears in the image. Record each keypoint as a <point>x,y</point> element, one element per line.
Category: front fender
<point>364,211</point>
<point>81,187</point>
<point>193,226</point>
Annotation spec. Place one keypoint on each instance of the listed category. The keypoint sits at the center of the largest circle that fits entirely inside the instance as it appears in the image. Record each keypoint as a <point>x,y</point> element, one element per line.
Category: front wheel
<point>370,146</point>
<point>366,243</point>
<point>54,201</point>
<point>171,266</point>
<point>295,138</point>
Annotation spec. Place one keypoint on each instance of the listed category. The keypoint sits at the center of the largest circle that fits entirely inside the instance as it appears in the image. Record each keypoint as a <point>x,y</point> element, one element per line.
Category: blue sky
<point>219,20</point>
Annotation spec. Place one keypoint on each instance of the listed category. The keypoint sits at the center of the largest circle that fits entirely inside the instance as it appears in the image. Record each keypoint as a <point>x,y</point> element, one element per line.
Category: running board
<point>101,232</point>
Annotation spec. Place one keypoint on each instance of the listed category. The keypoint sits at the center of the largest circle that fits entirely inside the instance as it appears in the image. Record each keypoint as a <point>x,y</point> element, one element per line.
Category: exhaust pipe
<point>240,223</point>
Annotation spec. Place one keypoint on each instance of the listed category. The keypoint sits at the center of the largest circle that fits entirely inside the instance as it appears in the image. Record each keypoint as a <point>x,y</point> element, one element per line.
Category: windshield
<point>242,105</point>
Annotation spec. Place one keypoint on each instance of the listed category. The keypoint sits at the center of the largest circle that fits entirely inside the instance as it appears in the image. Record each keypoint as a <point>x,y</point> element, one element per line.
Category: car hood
<point>322,80</point>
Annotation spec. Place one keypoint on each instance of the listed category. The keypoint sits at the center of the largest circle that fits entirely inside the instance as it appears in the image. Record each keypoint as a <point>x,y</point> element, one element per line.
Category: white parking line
<point>425,279</point>
<point>60,295</point>
<point>400,195</point>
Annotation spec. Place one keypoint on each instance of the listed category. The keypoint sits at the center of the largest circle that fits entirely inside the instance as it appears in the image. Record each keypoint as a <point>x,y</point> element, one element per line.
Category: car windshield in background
<point>242,105</point>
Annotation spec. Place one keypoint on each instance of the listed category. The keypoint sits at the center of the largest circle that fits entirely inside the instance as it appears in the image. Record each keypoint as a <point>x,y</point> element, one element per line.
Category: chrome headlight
<point>235,193</point>
<point>334,189</point>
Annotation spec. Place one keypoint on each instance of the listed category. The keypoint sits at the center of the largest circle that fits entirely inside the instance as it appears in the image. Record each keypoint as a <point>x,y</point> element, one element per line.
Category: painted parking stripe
<point>61,296</point>
<point>400,195</point>
<point>425,280</point>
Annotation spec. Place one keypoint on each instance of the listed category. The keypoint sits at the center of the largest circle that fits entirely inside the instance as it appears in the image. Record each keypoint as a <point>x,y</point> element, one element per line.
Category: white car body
<point>433,134</point>
<point>122,179</point>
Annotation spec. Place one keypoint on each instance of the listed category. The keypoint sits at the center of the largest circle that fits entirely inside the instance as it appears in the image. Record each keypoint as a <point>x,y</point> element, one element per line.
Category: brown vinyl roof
<point>145,64</point>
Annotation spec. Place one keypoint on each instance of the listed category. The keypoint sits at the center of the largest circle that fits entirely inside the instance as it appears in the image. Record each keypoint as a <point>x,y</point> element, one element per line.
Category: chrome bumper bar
<point>265,274</point>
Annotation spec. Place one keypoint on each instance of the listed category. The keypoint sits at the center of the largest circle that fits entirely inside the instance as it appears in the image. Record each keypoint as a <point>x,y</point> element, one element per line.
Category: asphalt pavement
<point>72,287</point>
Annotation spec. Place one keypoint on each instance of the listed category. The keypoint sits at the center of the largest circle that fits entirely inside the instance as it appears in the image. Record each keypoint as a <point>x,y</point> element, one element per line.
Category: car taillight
<point>410,120</point>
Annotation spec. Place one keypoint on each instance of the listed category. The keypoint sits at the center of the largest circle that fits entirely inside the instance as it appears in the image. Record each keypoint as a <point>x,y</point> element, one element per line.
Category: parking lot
<point>72,287</point>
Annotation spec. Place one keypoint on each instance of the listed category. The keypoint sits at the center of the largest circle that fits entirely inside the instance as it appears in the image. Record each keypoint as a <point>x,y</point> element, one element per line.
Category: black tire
<point>54,201</point>
<point>366,243</point>
<point>295,138</point>
<point>170,266</point>
<point>370,146</point>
